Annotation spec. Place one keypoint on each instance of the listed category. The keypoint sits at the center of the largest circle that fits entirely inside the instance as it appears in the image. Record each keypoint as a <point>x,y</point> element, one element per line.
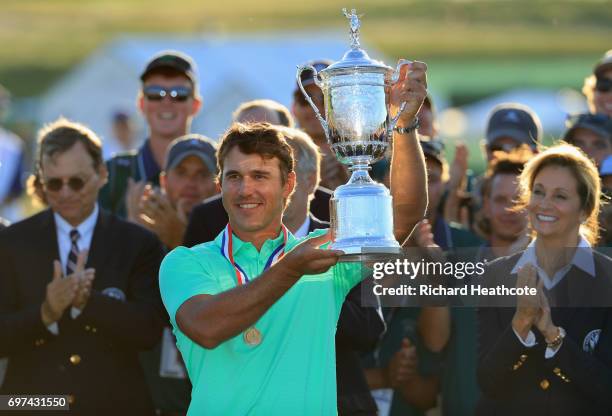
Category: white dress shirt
<point>63,228</point>
<point>583,259</point>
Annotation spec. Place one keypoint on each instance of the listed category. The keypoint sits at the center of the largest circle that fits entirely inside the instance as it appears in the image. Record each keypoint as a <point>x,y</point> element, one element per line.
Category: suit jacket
<point>94,357</point>
<point>518,380</point>
<point>208,218</point>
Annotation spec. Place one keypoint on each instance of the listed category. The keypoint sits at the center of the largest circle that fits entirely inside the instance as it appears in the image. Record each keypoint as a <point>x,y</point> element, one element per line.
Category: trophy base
<point>354,251</point>
<point>362,219</point>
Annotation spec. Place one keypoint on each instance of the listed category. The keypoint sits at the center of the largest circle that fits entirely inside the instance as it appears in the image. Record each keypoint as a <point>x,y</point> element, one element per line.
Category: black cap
<point>174,60</point>
<point>604,64</point>
<point>516,121</point>
<point>433,148</point>
<point>600,124</point>
<point>192,145</point>
<point>307,76</point>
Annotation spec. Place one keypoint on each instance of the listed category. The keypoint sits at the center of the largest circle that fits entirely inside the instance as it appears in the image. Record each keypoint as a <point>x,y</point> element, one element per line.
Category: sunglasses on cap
<point>176,93</point>
<point>603,84</point>
<point>75,183</point>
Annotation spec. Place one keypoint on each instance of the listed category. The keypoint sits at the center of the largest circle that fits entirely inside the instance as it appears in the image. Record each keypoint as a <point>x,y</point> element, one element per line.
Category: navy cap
<point>516,121</point>
<point>307,76</point>
<point>174,60</point>
<point>192,145</point>
<point>600,124</point>
<point>604,64</point>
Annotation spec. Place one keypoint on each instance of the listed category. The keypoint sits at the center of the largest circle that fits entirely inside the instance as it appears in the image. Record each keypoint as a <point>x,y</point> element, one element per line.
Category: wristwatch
<point>405,130</point>
<point>558,340</point>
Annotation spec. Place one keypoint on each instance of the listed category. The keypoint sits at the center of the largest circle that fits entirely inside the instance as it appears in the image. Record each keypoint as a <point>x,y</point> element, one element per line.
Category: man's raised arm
<point>408,171</point>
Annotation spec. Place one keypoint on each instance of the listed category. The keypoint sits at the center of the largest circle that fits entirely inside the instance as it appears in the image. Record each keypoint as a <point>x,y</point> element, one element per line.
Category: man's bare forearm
<point>210,320</point>
<point>408,184</point>
<point>434,326</point>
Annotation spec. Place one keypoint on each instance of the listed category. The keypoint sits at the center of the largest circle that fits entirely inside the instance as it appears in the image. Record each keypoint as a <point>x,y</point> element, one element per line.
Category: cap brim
<point>189,74</point>
<point>209,162</point>
<point>601,131</point>
<point>514,134</point>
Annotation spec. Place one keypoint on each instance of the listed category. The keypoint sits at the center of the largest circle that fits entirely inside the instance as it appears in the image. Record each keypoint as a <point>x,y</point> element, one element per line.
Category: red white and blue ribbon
<point>228,253</point>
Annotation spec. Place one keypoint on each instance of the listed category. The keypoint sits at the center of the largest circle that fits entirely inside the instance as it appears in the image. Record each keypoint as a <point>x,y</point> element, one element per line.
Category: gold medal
<point>252,336</point>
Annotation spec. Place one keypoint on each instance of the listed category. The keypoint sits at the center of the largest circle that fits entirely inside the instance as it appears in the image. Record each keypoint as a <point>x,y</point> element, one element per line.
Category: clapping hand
<point>403,364</point>
<point>62,292</point>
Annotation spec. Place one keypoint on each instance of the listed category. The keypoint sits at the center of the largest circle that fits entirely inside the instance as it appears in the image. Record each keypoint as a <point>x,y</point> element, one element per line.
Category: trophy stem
<point>360,175</point>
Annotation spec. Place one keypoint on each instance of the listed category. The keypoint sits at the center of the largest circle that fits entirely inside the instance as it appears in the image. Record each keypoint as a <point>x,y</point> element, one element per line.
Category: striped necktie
<point>74,252</point>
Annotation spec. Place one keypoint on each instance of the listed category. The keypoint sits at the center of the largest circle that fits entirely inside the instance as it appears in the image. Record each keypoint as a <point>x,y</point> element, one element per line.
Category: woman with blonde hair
<point>551,353</point>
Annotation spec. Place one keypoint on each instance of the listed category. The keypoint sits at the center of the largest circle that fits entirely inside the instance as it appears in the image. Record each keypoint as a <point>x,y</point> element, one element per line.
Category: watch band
<point>555,343</point>
<point>405,130</point>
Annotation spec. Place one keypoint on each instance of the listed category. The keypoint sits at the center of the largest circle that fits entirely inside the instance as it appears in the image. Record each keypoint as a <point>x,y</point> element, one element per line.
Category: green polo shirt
<point>292,371</point>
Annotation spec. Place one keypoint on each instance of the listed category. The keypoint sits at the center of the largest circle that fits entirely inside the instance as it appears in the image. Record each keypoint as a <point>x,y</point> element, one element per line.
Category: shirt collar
<point>583,257</point>
<point>238,244</point>
<point>84,227</point>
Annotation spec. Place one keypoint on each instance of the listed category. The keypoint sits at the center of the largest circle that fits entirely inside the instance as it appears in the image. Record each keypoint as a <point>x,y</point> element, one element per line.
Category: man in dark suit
<point>68,330</point>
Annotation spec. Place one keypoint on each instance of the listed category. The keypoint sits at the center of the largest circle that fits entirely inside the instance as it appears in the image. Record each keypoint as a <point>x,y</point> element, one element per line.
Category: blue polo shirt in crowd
<point>292,371</point>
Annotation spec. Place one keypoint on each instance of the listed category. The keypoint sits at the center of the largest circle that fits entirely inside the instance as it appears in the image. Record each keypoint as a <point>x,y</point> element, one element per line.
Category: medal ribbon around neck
<point>228,253</point>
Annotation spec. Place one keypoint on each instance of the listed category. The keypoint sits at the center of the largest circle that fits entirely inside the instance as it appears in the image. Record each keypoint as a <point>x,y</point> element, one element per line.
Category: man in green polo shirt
<point>255,311</point>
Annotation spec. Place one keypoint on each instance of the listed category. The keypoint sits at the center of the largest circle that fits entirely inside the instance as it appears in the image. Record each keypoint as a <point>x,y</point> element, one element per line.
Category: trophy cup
<point>358,126</point>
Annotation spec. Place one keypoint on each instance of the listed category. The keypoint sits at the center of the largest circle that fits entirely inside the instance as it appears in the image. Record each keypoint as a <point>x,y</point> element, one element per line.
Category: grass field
<point>505,40</point>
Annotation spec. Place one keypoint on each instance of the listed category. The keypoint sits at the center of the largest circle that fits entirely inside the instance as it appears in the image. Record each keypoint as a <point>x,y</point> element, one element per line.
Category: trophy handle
<point>301,69</point>
<point>394,80</point>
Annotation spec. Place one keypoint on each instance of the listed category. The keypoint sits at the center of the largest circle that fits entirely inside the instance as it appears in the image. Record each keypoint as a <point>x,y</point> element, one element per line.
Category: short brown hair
<point>58,137</point>
<point>506,163</point>
<point>263,139</point>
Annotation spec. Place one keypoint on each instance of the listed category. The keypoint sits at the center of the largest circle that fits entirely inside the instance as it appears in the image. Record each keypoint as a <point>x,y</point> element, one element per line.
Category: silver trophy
<point>358,126</point>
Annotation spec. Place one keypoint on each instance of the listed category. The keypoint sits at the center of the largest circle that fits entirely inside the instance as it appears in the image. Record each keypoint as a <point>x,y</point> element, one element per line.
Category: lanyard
<point>228,253</point>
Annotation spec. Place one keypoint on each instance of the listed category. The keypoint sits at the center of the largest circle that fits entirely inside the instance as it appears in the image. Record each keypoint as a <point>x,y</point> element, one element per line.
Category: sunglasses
<point>603,84</point>
<point>75,183</point>
<point>176,93</point>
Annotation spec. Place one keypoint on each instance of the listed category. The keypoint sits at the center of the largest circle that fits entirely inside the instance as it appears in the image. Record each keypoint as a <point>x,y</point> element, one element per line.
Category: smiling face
<point>595,146</point>
<point>190,182</point>
<point>254,194</point>
<point>506,224</point>
<point>555,209</point>
<point>73,206</point>
<point>168,118</point>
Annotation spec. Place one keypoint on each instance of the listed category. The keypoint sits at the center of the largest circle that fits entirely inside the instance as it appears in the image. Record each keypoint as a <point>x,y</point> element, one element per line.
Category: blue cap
<point>192,145</point>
